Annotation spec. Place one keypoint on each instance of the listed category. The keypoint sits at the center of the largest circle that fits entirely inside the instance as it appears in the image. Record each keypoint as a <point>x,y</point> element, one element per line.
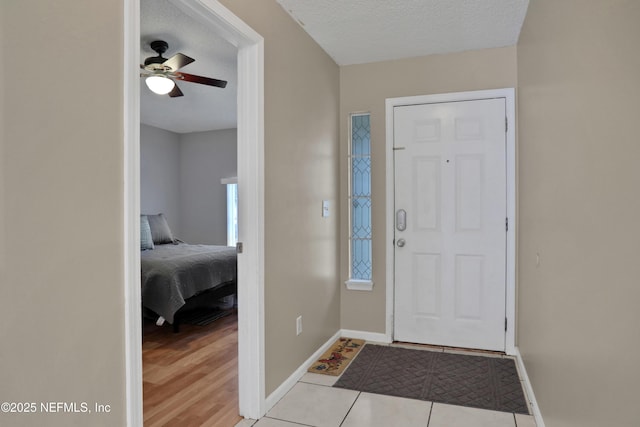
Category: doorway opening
<point>250,212</point>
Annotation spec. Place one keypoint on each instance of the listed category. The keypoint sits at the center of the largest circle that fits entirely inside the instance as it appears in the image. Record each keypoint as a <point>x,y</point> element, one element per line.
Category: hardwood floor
<point>191,378</point>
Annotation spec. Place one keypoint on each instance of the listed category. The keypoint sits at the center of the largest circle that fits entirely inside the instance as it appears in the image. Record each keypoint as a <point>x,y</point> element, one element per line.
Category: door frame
<point>509,96</point>
<point>251,369</point>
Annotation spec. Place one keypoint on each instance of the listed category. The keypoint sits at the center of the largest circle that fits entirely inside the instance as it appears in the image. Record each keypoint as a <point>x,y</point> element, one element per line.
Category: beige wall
<point>365,88</point>
<point>301,169</point>
<point>61,296</point>
<point>579,316</point>
<point>62,169</point>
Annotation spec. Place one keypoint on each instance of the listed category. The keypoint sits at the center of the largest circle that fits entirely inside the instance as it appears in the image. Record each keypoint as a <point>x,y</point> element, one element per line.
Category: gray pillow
<point>160,231</point>
<point>146,241</point>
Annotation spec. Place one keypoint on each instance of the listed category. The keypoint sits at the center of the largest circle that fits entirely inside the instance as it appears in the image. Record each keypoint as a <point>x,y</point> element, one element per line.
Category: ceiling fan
<point>161,73</point>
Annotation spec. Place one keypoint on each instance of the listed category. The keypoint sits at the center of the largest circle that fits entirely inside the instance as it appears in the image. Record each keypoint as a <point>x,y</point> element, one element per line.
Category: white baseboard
<point>367,336</point>
<point>288,384</point>
<point>529,390</point>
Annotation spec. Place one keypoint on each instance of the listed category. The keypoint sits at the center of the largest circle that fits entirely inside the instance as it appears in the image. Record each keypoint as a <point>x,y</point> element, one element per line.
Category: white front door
<point>450,234</point>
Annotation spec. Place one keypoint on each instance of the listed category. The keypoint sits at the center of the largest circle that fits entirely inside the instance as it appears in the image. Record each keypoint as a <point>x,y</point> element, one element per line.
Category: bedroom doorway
<point>250,138</point>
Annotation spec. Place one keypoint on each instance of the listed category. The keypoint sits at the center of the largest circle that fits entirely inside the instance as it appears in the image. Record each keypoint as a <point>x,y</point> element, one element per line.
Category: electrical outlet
<point>299,325</point>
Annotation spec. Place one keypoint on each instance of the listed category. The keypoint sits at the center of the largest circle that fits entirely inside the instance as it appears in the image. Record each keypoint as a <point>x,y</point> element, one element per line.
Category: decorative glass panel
<point>360,197</point>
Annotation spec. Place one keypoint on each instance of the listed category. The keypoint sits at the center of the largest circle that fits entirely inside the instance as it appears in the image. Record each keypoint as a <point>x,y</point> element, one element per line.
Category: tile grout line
<point>430,412</point>
<point>285,421</point>
<point>350,408</point>
<point>319,385</point>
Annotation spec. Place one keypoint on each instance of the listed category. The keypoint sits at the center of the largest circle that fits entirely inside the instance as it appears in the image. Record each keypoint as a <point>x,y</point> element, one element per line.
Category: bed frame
<point>205,299</point>
<point>208,299</point>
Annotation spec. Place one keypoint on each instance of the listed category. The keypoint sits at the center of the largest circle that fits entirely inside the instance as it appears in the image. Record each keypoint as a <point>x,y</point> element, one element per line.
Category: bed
<point>177,276</point>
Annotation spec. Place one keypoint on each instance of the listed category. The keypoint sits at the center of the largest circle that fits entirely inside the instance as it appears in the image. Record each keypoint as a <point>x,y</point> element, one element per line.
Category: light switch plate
<point>325,208</point>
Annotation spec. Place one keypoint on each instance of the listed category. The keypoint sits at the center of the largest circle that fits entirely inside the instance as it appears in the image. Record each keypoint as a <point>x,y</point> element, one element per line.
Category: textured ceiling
<point>350,31</point>
<point>360,31</point>
<point>202,107</point>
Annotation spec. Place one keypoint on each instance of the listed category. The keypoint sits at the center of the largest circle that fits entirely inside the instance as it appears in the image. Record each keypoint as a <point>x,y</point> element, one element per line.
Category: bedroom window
<point>232,210</point>
<point>360,267</point>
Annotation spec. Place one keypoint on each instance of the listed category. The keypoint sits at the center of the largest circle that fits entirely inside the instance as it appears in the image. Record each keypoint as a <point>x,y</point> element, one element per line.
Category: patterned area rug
<point>456,379</point>
<point>336,359</point>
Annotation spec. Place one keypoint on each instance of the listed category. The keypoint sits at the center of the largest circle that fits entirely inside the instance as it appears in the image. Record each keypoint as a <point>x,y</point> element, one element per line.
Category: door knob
<point>400,243</point>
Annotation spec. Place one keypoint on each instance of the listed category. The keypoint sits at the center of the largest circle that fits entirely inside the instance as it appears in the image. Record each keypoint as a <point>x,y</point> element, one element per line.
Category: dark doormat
<point>456,379</point>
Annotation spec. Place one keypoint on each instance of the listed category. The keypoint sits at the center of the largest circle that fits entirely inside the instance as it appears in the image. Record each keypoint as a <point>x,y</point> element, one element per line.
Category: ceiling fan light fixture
<point>160,84</point>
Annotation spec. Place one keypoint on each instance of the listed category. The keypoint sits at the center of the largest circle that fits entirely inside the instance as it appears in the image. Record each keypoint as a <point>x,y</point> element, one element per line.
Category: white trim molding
<point>227,181</point>
<point>131,238</point>
<point>251,341</point>
<point>373,337</point>
<point>530,396</point>
<point>251,369</point>
<point>509,95</point>
<point>288,384</point>
<point>359,285</point>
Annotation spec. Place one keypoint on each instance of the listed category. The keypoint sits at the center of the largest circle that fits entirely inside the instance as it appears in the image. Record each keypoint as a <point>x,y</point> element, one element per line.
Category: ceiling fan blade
<point>202,80</point>
<point>178,61</point>
<point>175,92</point>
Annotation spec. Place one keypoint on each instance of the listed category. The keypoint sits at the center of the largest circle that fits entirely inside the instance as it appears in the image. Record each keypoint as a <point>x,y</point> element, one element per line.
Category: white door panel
<point>450,178</point>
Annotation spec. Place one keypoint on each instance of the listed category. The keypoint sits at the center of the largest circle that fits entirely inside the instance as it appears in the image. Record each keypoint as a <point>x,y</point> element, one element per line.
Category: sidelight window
<point>360,265</point>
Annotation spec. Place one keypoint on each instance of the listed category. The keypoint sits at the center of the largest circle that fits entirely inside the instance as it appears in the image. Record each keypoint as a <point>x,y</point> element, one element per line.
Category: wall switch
<point>299,325</point>
<point>325,208</point>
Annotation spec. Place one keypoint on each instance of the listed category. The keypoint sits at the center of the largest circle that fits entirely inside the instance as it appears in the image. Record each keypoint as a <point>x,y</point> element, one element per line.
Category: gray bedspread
<point>173,273</point>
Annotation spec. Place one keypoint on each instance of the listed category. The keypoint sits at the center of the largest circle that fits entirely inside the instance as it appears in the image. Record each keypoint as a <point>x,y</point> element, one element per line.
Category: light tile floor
<point>313,402</point>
